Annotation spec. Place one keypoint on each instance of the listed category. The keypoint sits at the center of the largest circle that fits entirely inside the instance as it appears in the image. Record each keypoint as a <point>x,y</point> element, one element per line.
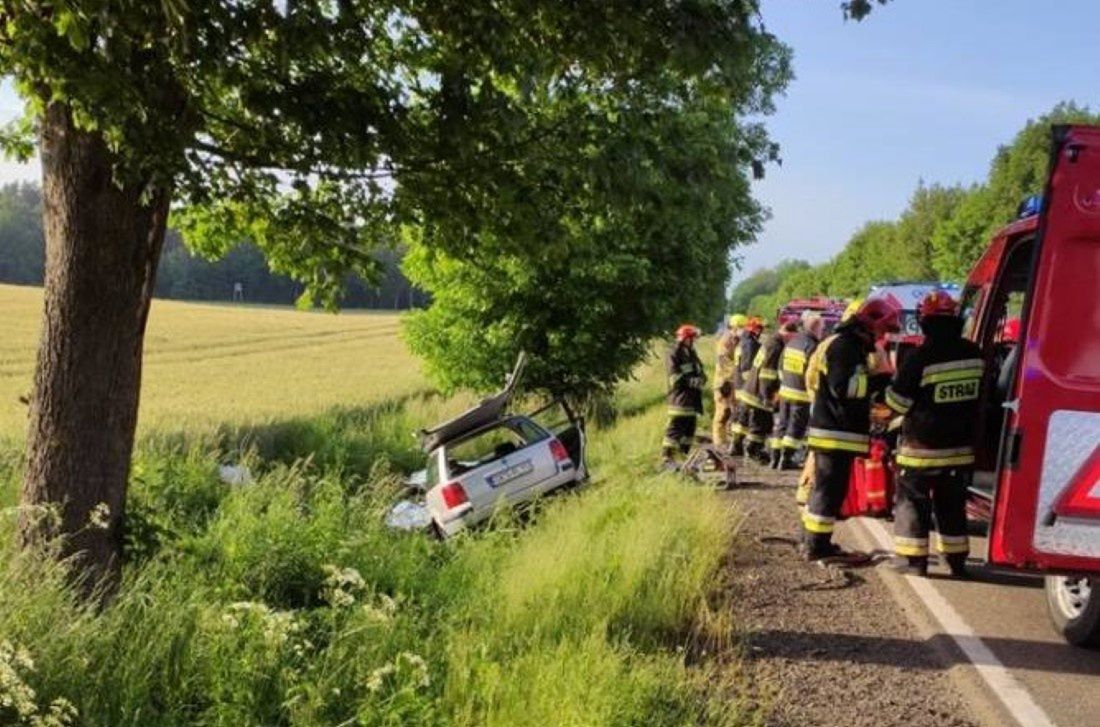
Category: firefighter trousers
<point>790,424</point>
<point>759,425</point>
<point>740,418</point>
<point>723,417</point>
<point>679,434</point>
<point>832,470</point>
<point>925,495</point>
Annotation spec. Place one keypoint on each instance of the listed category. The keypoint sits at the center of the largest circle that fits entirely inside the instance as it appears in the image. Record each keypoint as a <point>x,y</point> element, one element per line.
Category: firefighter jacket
<point>723,365</point>
<point>762,381</point>
<point>936,390</point>
<point>747,346</point>
<point>840,416</point>
<point>792,368</point>
<point>686,379</point>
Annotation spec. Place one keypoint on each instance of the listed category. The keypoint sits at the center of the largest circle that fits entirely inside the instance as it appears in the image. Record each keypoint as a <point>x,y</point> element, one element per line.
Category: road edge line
<point>1012,695</point>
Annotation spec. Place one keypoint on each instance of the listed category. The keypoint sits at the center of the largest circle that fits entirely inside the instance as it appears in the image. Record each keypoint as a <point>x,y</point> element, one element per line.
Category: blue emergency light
<point>1030,206</point>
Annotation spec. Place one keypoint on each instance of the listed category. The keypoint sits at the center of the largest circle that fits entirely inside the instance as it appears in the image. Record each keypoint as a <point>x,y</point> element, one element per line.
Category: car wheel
<point>1074,605</point>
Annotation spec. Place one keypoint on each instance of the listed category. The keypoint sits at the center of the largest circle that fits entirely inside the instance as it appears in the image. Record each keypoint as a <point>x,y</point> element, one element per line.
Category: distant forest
<point>184,276</point>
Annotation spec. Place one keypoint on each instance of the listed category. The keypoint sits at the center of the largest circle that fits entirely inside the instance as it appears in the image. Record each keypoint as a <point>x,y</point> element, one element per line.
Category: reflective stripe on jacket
<point>792,369</point>
<point>937,391</point>
<point>762,381</point>
<point>747,347</point>
<point>686,379</point>
<point>840,417</point>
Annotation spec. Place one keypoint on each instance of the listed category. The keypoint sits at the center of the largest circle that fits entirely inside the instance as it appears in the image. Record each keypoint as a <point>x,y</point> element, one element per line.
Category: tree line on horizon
<point>941,233</point>
<point>184,275</point>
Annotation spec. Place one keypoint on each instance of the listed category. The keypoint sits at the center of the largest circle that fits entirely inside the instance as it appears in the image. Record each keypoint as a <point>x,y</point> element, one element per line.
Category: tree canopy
<point>943,230</point>
<point>591,146</point>
<point>1019,169</point>
<point>761,283</point>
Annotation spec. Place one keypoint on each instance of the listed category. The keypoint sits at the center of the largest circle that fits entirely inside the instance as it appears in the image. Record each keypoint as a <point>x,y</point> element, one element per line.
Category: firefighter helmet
<point>738,320</point>
<point>938,303</point>
<point>687,332</point>
<point>755,324</point>
<point>880,316</point>
<point>1010,331</point>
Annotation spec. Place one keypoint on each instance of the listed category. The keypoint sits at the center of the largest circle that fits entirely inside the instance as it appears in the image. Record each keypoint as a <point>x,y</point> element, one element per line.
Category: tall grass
<point>286,601</point>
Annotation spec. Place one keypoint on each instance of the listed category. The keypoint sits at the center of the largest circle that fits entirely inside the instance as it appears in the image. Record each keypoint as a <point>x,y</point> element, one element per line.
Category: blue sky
<point>921,89</point>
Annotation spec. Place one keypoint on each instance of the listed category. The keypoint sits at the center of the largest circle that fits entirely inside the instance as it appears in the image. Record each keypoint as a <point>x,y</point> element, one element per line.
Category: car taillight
<point>561,454</point>
<point>454,495</point>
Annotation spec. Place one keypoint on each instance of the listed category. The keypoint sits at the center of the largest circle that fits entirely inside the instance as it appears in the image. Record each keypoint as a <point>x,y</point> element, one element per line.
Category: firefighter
<point>723,380</point>
<point>686,379</point>
<point>758,396</point>
<point>794,399</point>
<point>840,418</point>
<point>748,345</point>
<point>936,391</point>
<point>769,392</point>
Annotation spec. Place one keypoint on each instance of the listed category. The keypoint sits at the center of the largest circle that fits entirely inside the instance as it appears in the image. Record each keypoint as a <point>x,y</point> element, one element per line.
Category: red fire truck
<point>1037,479</point>
<point>830,309</point>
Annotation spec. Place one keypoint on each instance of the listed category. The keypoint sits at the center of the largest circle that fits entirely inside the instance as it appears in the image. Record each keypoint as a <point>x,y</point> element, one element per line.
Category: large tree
<point>666,172</point>
<point>317,130</point>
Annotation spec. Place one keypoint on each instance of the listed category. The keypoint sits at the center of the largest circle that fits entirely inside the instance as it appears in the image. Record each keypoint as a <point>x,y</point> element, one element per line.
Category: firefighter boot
<point>737,445</point>
<point>957,563</point>
<point>913,565</point>
<point>816,546</point>
<point>787,460</point>
<point>776,458</point>
<point>752,451</point>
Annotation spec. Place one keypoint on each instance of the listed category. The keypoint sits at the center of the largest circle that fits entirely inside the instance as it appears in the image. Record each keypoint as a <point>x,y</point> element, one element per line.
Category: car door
<point>1046,510</point>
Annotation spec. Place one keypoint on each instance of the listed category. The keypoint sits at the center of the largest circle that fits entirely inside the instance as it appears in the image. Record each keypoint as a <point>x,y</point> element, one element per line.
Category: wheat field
<point>208,365</point>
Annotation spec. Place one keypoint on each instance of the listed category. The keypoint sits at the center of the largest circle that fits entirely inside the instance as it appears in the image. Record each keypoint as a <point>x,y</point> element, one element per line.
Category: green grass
<point>287,601</point>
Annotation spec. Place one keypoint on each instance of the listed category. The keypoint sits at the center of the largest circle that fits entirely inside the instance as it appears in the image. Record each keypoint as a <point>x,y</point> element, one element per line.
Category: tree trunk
<point>103,240</point>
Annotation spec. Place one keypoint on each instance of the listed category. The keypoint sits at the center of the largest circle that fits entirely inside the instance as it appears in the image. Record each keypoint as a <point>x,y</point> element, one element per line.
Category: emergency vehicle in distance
<point>830,309</point>
<point>1037,477</point>
<point>906,296</point>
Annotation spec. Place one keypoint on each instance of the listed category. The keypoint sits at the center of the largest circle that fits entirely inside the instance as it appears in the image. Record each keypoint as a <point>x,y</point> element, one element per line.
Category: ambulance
<point>1037,479</point>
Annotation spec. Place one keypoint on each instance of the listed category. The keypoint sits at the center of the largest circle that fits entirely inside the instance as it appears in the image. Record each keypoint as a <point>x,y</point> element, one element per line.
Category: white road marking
<point>1012,694</point>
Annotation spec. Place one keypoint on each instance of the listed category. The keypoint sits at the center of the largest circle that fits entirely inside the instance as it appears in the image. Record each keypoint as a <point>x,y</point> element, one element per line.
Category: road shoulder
<point>825,646</point>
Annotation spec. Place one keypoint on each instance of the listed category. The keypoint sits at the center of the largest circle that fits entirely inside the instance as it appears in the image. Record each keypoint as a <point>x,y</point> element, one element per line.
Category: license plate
<point>507,475</point>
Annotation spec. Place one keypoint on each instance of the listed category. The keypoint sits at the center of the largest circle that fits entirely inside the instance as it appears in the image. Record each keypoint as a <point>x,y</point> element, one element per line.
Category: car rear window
<point>491,444</point>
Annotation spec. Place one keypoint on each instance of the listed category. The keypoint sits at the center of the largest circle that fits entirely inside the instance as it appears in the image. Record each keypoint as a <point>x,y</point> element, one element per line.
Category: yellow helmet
<point>852,308</point>
<point>738,320</point>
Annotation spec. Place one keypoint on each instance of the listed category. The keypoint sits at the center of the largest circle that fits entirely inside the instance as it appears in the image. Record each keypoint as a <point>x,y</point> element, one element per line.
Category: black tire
<point>1074,606</point>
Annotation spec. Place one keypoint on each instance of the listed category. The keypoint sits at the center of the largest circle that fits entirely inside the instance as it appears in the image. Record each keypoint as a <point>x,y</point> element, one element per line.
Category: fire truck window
<point>1006,301</point>
<point>971,303</point>
<point>1009,297</point>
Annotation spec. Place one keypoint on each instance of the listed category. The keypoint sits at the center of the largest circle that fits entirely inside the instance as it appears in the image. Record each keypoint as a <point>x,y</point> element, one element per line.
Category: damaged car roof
<point>489,410</point>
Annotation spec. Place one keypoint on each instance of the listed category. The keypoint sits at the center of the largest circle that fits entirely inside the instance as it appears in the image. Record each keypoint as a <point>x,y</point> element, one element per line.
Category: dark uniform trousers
<point>832,469</point>
<point>791,422</point>
<point>680,433</point>
<point>759,425</point>
<point>924,493</point>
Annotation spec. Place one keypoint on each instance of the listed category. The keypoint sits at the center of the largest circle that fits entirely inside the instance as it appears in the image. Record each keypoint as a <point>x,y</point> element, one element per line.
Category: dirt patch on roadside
<point>825,646</point>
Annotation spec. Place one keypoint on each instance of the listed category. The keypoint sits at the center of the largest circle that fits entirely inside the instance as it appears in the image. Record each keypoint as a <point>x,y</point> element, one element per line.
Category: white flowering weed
<point>18,700</point>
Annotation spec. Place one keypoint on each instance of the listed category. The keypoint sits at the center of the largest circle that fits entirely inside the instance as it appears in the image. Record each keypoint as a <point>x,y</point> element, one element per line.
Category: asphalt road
<point>1007,613</point>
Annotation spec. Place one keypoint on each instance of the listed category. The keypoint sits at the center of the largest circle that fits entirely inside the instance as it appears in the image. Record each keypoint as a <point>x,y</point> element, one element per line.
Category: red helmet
<point>755,324</point>
<point>938,303</point>
<point>1010,331</point>
<point>880,316</point>
<point>687,332</point>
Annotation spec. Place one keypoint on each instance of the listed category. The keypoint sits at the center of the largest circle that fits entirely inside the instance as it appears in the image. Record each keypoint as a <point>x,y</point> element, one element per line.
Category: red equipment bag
<point>871,486</point>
